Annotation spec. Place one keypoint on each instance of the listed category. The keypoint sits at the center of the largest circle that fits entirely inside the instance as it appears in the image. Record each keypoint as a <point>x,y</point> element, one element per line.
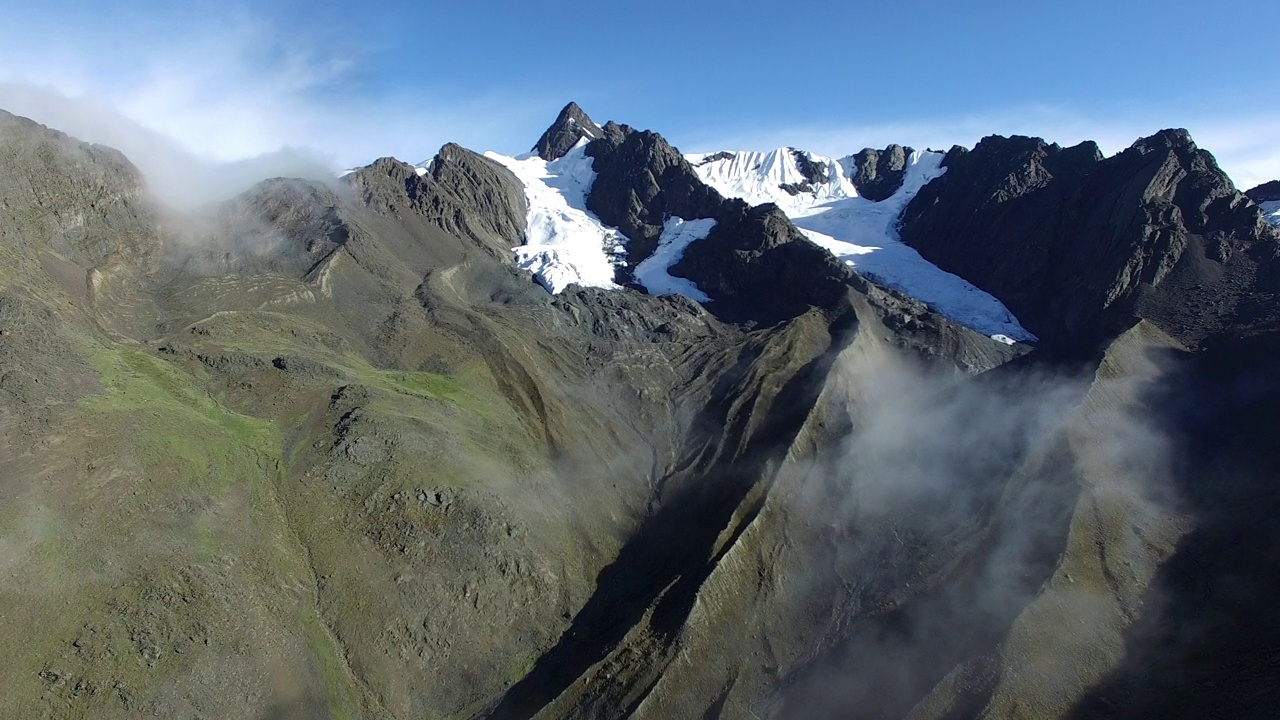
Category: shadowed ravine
<point>327,450</point>
<point>662,567</point>
<point>1187,656</point>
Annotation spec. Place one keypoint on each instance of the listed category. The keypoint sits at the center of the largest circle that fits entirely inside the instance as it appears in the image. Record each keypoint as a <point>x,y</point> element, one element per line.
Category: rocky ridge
<point>571,126</point>
<point>1079,246</point>
<point>1266,192</point>
<point>878,173</point>
<point>333,454</point>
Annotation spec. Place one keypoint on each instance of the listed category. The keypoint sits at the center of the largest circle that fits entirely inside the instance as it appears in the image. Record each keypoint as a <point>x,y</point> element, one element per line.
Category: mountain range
<point>607,430</point>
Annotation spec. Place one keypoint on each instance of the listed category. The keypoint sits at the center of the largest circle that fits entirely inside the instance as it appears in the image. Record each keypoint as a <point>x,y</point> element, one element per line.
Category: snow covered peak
<point>567,244</point>
<point>787,177</point>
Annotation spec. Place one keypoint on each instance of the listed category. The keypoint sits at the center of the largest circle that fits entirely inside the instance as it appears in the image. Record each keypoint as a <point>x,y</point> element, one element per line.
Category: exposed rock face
<point>758,266</point>
<point>878,173</point>
<point>571,125</point>
<point>83,201</point>
<point>464,194</point>
<point>363,466</point>
<point>1078,247</point>
<point>755,264</point>
<point>640,182</point>
<point>1266,192</point>
<point>383,184</point>
<point>472,196</point>
<point>813,173</point>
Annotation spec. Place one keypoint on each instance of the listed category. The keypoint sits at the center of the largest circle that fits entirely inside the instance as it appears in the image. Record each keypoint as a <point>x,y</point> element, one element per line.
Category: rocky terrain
<point>1078,245</point>
<point>326,451</point>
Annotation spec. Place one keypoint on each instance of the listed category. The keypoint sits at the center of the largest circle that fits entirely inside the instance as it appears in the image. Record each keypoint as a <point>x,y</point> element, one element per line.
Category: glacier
<point>565,243</point>
<point>858,231</point>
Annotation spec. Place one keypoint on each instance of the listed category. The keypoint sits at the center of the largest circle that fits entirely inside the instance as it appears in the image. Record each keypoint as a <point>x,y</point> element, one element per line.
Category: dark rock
<point>877,174</point>
<point>794,189</point>
<point>715,157</point>
<point>473,196</point>
<point>306,369</point>
<point>641,180</point>
<point>462,193</point>
<point>1266,192</point>
<point>757,266</point>
<point>571,125</point>
<point>813,172</point>
<point>230,362</point>
<point>1078,246</point>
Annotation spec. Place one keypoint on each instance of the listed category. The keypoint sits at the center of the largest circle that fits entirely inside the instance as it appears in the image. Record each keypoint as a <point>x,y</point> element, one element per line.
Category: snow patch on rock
<point>1271,211</point>
<point>858,231</point>
<point>565,243</point>
<point>653,273</point>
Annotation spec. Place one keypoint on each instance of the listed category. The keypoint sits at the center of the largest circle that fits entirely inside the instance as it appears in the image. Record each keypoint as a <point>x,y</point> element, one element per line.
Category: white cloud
<point>235,89</point>
<point>232,85</point>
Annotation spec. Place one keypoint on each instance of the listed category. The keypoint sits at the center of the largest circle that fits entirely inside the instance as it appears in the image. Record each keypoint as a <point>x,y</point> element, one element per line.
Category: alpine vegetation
<point>611,430</point>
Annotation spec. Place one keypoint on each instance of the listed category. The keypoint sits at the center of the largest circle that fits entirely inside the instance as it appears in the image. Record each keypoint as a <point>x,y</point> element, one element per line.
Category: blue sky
<point>353,81</point>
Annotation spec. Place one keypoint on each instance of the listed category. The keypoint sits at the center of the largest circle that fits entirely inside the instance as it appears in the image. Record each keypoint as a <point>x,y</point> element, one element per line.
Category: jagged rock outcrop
<point>84,202</point>
<point>343,472</point>
<point>1078,246</point>
<point>758,266</point>
<point>877,174</point>
<point>463,193</point>
<point>571,125</point>
<point>813,173</point>
<point>1266,192</point>
<point>641,180</point>
<point>755,264</point>
<point>472,196</point>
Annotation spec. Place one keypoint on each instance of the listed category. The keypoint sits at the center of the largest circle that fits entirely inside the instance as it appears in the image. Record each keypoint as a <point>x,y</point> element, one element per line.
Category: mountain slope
<point>1078,245</point>
<point>335,450</point>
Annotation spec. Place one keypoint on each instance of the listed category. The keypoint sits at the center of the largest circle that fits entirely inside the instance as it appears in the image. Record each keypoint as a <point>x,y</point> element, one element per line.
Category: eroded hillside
<point>325,451</point>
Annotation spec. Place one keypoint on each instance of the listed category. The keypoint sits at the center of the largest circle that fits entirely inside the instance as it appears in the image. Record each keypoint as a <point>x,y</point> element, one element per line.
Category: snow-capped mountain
<point>820,197</point>
<point>794,180</point>
<point>568,244</point>
<point>332,449</point>
<point>658,204</point>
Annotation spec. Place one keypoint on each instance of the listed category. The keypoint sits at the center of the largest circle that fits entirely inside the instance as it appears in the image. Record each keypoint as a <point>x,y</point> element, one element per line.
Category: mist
<point>176,176</point>
<point>951,506</point>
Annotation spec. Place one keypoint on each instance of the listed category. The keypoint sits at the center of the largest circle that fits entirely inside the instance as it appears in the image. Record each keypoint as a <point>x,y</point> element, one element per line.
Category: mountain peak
<point>1171,138</point>
<point>571,125</point>
<point>877,174</point>
<point>1266,192</point>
